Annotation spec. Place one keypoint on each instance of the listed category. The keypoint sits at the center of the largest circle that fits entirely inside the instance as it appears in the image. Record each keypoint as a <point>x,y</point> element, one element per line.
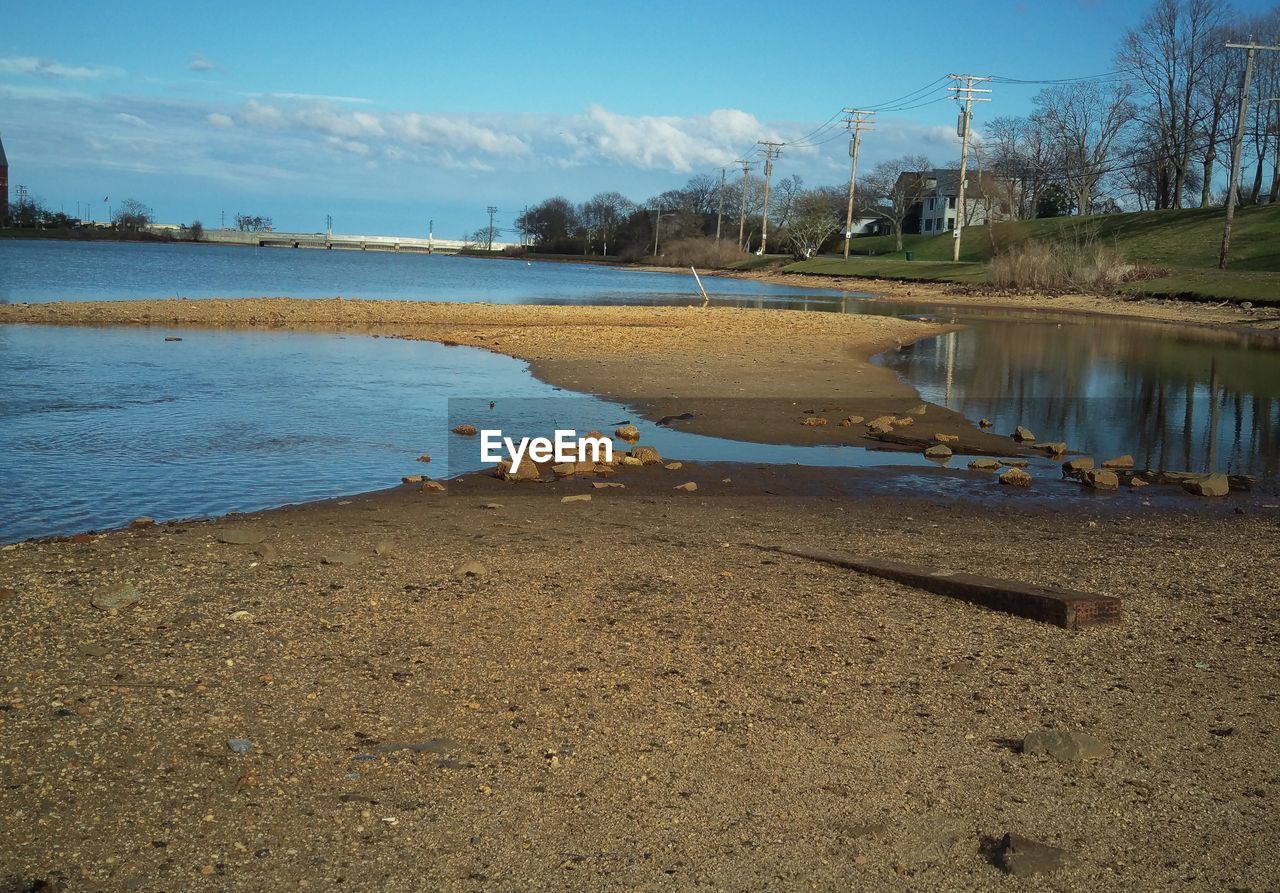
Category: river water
<point>100,425</point>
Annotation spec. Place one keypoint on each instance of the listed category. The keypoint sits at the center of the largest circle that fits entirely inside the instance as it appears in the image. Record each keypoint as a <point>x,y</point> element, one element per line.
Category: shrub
<point>1056,267</point>
<point>703,252</point>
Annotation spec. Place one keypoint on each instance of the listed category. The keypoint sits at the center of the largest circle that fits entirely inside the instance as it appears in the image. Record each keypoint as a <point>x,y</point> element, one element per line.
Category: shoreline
<point>1226,316</point>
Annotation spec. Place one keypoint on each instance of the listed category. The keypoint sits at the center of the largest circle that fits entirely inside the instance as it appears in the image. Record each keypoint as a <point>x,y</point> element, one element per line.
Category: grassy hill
<point>1185,242</point>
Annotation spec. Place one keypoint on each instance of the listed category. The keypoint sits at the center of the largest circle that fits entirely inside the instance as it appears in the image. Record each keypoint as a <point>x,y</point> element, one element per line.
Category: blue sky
<point>387,115</point>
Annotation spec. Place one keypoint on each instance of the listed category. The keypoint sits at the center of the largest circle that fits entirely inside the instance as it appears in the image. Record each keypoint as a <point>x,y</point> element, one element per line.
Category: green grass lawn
<point>1184,241</point>
<point>1184,238</point>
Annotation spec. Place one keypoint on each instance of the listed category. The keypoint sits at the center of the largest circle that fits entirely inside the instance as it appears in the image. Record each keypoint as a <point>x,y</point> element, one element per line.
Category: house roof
<point>948,179</point>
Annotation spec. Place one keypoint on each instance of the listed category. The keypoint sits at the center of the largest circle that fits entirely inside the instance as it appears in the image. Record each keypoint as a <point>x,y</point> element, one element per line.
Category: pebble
<point>1063,745</point>
<point>384,549</point>
<point>1021,856</point>
<point>471,569</point>
<point>1016,477</point>
<point>240,745</point>
<point>116,598</point>
<point>688,487</point>
<point>580,497</point>
<point>673,466</point>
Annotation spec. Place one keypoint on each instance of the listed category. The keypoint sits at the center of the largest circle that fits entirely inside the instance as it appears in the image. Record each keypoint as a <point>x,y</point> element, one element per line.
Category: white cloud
<point>133,120</point>
<point>313,97</point>
<point>218,119</point>
<point>50,68</point>
<point>200,63</point>
<point>679,144</point>
<point>456,134</point>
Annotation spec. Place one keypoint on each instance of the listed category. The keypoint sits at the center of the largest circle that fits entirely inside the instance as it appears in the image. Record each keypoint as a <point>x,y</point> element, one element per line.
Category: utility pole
<point>657,228</point>
<point>492,210</point>
<point>720,205</point>
<point>963,90</point>
<point>328,225</point>
<point>771,151</point>
<point>856,121</point>
<point>1237,145</point>
<point>431,234</point>
<point>742,204</point>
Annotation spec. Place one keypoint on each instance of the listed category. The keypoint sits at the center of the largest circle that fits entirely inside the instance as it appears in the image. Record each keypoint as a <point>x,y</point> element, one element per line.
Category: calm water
<point>36,272</point>
<point>100,425</point>
<point>1177,398</point>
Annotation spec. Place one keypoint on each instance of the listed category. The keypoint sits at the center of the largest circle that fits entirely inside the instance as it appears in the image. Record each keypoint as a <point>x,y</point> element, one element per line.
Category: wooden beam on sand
<point>1066,608</point>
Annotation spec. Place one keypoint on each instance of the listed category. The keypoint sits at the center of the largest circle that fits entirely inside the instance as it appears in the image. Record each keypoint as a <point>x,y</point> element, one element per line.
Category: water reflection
<point>1174,398</point>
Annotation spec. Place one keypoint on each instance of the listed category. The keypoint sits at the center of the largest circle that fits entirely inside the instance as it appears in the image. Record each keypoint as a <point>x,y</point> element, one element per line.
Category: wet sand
<point>629,696</point>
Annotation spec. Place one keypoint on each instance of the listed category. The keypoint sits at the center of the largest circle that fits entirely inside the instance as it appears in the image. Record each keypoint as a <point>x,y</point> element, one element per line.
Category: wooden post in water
<point>705,299</point>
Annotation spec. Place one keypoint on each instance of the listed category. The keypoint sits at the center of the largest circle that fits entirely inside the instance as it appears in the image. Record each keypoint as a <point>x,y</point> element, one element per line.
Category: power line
<point>1118,75</point>
<point>856,121</point>
<point>742,202</point>
<point>965,91</point>
<point>771,151</point>
<point>929,86</point>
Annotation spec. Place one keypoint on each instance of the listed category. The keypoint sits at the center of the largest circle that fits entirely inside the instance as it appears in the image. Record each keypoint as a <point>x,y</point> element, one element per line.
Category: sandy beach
<point>488,688</point>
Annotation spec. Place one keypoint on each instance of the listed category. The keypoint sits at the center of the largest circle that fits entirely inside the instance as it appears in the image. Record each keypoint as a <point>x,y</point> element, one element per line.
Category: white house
<point>984,198</point>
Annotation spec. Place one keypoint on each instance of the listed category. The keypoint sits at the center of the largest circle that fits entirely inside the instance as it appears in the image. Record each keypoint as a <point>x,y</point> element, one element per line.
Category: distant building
<point>984,196</point>
<point>4,186</point>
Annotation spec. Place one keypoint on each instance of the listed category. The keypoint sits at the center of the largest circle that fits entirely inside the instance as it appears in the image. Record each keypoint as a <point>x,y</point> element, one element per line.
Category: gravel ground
<point>627,697</point>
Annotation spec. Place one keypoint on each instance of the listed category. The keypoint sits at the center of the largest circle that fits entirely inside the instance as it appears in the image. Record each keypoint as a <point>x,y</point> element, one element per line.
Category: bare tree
<point>252,224</point>
<point>1168,55</point>
<point>1263,128</point>
<point>132,214</point>
<point>601,216</point>
<point>1216,92</point>
<point>898,185</point>
<point>1085,121</point>
<point>814,218</point>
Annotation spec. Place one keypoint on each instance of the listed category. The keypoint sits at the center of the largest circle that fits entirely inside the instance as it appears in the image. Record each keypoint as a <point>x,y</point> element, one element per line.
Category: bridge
<point>332,241</point>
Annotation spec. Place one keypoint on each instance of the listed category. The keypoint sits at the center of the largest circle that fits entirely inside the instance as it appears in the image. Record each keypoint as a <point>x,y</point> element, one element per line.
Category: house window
<point>930,204</point>
<point>928,225</point>
<point>951,223</point>
<point>951,203</point>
